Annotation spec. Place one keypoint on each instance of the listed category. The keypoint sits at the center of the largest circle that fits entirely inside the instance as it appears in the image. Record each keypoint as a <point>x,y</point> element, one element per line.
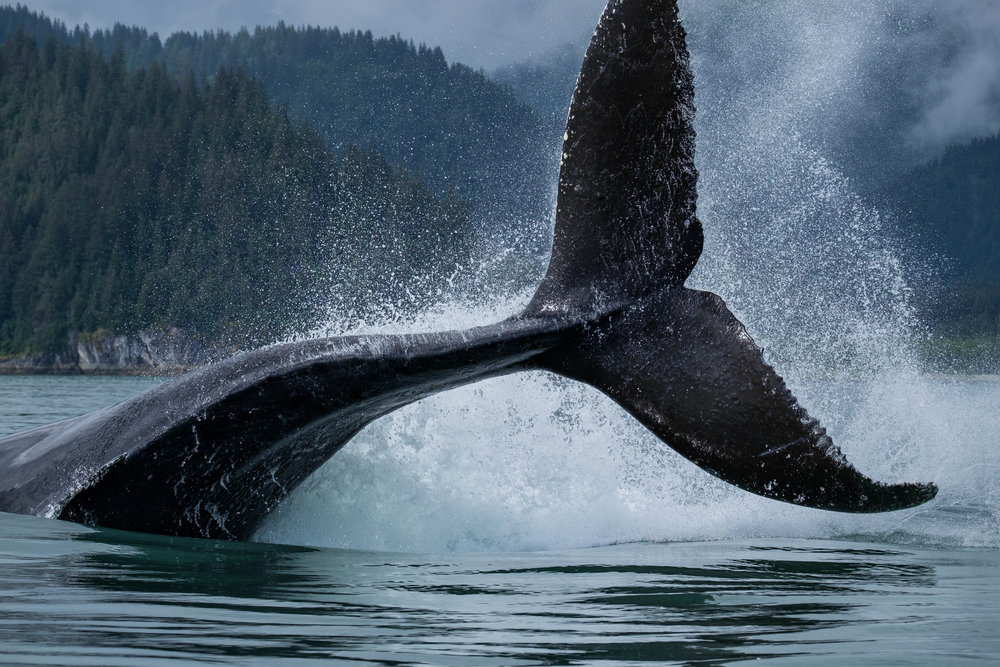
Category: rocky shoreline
<point>165,352</point>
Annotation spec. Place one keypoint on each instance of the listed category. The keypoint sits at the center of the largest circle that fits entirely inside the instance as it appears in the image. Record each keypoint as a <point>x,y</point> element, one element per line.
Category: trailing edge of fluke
<point>210,453</point>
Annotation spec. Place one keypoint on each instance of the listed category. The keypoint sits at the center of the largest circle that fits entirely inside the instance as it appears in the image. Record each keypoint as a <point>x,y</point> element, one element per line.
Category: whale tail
<point>212,452</point>
<point>626,239</point>
<point>625,217</point>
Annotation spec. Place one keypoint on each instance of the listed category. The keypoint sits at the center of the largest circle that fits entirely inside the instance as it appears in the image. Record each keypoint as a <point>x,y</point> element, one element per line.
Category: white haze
<point>961,92</point>
<point>911,75</point>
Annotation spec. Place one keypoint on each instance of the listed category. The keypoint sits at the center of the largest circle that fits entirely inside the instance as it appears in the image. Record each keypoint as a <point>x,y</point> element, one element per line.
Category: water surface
<point>841,593</point>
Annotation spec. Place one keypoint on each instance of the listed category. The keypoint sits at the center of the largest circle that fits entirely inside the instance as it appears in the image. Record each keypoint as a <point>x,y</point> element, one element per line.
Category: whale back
<point>209,454</point>
<point>625,219</point>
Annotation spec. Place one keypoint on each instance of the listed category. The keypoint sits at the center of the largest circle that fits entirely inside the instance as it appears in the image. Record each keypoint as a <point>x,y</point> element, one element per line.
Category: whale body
<point>211,453</point>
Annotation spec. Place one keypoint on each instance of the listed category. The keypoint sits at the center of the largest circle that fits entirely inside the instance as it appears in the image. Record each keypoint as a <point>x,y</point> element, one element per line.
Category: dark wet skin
<point>211,453</point>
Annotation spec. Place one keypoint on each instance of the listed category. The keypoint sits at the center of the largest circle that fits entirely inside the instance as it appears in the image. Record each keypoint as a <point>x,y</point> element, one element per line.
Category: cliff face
<point>168,352</point>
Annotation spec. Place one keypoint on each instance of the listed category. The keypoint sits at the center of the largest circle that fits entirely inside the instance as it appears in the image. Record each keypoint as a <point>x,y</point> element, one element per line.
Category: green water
<point>72,595</point>
<point>76,595</point>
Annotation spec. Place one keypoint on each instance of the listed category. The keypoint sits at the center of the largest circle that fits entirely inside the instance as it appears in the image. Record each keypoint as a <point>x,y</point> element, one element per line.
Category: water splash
<point>537,462</point>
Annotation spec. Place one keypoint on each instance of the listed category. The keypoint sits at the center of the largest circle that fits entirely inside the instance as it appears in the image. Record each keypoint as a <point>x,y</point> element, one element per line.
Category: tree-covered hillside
<point>134,199</point>
<point>954,204</point>
<point>20,18</point>
<point>951,208</point>
<point>546,83</point>
<point>460,130</point>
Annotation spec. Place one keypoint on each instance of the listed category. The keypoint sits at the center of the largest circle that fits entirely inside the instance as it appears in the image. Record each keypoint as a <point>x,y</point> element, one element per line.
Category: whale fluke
<point>685,367</point>
<point>625,216</point>
<point>211,453</point>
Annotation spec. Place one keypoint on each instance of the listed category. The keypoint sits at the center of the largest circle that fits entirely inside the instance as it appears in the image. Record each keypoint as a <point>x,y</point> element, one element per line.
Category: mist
<point>960,91</point>
<point>911,76</point>
<point>905,78</point>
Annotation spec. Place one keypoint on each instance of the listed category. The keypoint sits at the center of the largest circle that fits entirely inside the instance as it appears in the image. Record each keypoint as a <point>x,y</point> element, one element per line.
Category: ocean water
<point>416,546</point>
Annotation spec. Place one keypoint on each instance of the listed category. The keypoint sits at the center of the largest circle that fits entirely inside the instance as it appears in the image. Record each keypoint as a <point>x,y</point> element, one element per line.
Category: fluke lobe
<point>209,454</point>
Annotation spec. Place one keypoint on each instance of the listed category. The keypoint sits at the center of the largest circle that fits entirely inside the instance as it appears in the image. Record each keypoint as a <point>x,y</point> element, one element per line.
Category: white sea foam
<point>537,462</point>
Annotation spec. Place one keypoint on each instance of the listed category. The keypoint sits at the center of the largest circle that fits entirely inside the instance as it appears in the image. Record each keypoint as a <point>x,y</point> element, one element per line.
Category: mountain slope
<point>132,200</point>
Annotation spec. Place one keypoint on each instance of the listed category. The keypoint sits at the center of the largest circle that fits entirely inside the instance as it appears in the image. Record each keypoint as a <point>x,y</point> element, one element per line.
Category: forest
<point>950,208</point>
<point>201,181</point>
<point>133,198</point>
<point>456,127</point>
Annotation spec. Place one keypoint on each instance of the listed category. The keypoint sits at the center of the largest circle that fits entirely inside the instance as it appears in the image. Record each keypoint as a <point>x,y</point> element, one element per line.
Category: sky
<point>480,33</point>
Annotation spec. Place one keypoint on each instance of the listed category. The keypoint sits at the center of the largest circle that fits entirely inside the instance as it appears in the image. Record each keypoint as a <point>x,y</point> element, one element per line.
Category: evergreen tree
<point>951,208</point>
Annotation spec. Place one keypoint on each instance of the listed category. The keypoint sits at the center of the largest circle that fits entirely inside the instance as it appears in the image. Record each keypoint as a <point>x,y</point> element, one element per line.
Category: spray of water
<point>536,462</point>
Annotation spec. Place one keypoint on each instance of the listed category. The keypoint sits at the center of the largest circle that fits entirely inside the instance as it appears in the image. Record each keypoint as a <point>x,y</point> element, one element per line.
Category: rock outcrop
<point>163,352</point>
